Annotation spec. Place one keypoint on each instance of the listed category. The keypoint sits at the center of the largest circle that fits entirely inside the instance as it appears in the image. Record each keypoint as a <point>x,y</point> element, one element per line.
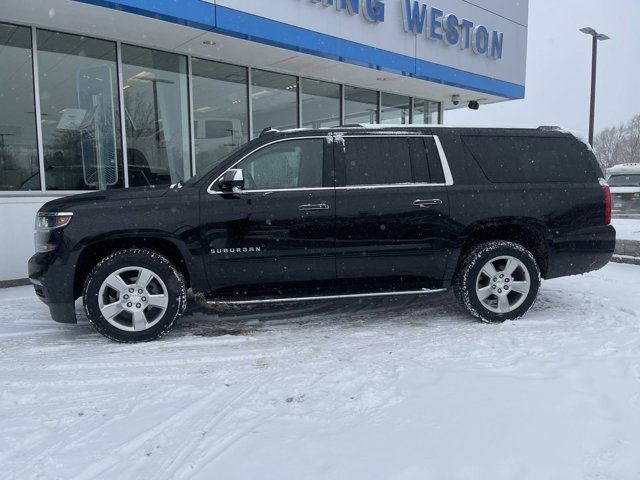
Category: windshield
<point>624,180</point>
<point>209,168</point>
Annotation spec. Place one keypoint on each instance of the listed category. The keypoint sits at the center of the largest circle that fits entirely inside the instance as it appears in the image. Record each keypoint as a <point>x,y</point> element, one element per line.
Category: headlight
<point>46,226</point>
<point>49,221</point>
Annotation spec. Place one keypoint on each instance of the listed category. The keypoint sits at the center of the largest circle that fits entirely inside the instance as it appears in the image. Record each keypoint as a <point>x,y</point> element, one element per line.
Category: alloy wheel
<point>503,284</point>
<point>133,299</point>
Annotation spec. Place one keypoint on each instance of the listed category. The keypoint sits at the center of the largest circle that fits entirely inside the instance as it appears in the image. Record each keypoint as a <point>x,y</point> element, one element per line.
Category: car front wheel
<point>498,281</point>
<point>134,295</point>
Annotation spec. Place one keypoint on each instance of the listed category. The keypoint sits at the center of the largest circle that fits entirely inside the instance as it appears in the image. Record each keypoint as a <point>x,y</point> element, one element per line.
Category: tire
<point>134,295</point>
<point>507,291</point>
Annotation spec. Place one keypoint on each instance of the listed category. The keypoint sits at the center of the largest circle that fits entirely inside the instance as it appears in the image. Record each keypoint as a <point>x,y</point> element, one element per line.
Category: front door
<point>392,212</point>
<point>276,235</point>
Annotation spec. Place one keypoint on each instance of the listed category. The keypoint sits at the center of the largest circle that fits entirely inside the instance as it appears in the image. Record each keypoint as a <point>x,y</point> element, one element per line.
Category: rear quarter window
<point>516,159</point>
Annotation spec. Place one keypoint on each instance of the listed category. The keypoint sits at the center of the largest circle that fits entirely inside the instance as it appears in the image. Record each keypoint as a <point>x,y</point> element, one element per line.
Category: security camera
<point>455,99</point>
<point>474,105</point>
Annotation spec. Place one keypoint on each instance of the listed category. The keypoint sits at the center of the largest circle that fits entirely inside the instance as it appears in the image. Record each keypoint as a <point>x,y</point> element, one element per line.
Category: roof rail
<point>268,130</point>
<point>549,128</point>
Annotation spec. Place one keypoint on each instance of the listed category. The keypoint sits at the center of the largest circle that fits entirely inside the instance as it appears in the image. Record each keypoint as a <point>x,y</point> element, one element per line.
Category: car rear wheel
<point>498,281</point>
<point>134,295</point>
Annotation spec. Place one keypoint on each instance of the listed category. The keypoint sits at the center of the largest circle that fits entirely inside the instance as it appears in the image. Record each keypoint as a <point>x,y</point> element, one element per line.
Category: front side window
<point>80,112</point>
<point>377,161</point>
<point>284,165</point>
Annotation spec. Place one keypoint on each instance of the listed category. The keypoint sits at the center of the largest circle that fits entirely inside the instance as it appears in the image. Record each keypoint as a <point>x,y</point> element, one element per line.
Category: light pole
<point>594,64</point>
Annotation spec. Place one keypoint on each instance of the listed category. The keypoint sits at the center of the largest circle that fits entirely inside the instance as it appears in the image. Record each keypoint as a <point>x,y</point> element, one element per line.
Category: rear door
<point>392,211</point>
<point>278,232</point>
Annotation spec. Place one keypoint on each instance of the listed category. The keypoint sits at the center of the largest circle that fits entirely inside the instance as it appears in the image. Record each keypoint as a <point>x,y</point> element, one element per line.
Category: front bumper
<point>52,281</point>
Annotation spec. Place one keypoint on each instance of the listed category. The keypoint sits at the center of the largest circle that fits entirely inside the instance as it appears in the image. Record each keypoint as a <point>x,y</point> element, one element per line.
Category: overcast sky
<point>559,68</point>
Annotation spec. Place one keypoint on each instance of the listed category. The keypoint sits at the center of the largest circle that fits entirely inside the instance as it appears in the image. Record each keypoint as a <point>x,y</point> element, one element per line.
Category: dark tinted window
<point>419,156</point>
<point>532,159</point>
<point>288,164</point>
<point>377,161</point>
<point>435,164</point>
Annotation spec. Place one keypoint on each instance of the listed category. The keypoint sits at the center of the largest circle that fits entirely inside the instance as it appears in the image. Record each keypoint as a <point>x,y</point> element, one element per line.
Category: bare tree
<point>631,144</point>
<point>617,145</point>
<point>607,145</point>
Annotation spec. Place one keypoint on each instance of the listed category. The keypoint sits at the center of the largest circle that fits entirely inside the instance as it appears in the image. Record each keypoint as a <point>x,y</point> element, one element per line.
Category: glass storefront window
<point>320,104</point>
<point>360,105</point>
<point>80,112</point>
<point>274,99</point>
<point>220,110</point>
<point>426,112</point>
<point>156,114</point>
<point>395,109</point>
<point>19,167</point>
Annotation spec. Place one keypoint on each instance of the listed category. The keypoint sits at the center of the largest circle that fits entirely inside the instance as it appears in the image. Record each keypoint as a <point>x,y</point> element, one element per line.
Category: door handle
<point>313,206</point>
<point>427,203</point>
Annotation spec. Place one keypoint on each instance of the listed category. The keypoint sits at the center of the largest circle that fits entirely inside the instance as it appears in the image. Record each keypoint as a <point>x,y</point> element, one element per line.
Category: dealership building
<point>101,94</point>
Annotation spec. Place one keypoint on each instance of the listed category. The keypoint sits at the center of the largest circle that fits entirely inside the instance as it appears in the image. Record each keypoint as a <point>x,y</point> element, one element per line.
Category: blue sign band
<point>227,21</point>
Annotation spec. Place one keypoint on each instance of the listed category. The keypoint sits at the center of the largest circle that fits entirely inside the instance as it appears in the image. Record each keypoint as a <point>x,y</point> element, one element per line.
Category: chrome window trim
<point>443,160</point>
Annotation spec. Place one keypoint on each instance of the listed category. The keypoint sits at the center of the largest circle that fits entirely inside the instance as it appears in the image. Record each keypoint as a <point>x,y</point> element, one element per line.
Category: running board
<point>424,291</point>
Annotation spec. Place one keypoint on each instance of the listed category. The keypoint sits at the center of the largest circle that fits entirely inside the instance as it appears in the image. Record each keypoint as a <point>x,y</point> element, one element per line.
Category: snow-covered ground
<point>627,228</point>
<point>402,388</point>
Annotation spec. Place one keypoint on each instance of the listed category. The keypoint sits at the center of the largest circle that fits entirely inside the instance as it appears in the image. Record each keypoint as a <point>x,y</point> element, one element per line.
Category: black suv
<point>347,212</point>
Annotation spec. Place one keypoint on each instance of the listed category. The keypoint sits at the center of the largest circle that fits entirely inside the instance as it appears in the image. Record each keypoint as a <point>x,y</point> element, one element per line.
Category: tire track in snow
<point>238,429</point>
<point>137,443</point>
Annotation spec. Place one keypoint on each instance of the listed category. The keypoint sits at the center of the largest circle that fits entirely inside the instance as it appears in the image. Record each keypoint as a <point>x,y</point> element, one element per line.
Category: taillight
<point>607,203</point>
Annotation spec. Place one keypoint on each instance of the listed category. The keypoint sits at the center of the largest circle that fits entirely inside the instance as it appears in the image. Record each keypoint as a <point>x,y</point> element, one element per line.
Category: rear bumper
<point>53,284</point>
<point>581,251</point>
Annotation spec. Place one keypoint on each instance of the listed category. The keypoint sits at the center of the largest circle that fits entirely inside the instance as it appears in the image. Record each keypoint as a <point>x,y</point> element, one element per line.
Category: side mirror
<point>231,180</point>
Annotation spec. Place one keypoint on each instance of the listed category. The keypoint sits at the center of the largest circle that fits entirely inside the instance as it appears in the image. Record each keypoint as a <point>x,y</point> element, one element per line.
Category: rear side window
<point>531,159</point>
<point>377,161</point>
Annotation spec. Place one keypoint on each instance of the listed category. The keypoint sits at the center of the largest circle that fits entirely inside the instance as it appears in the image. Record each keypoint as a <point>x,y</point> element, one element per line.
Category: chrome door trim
<point>424,291</point>
<point>313,207</point>
<point>427,203</point>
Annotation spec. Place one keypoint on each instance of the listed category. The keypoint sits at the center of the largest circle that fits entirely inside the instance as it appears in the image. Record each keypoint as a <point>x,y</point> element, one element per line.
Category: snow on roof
<point>625,168</point>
